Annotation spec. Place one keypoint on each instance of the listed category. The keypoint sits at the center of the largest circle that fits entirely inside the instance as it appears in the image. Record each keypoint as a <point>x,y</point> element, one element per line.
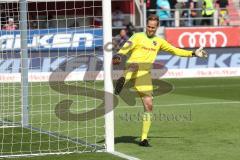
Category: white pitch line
<point>208,86</point>
<point>125,156</point>
<point>181,104</point>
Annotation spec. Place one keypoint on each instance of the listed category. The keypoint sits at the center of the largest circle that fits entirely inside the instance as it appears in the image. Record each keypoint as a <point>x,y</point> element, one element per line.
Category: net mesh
<point>65,111</point>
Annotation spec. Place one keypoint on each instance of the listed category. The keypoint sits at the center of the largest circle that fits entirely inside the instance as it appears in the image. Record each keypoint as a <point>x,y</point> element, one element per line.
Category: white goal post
<point>48,104</point>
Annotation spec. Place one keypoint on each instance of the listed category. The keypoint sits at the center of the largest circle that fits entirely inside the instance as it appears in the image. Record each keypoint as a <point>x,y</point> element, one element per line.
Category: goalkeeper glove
<point>200,52</point>
<point>116,60</point>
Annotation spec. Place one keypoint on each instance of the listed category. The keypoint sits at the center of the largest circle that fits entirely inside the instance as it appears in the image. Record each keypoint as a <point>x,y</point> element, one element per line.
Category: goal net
<point>59,106</point>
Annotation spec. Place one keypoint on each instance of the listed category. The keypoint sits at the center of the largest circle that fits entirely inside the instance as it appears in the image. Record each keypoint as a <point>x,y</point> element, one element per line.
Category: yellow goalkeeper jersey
<point>143,50</point>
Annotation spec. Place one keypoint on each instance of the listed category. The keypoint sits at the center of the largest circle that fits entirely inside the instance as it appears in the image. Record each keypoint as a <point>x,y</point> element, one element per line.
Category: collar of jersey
<point>149,37</point>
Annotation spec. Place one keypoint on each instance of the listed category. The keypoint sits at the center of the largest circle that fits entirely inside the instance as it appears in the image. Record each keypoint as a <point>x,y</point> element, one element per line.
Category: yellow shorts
<point>142,82</point>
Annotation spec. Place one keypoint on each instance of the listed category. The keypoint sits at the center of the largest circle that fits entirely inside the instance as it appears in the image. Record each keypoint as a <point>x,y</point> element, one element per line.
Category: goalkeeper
<point>142,49</point>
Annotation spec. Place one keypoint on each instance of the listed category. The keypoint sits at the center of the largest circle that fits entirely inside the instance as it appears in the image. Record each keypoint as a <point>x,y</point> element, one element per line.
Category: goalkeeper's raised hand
<point>117,59</point>
<point>200,52</point>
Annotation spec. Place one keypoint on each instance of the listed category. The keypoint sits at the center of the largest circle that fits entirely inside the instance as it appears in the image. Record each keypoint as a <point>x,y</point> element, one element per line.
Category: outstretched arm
<point>167,47</point>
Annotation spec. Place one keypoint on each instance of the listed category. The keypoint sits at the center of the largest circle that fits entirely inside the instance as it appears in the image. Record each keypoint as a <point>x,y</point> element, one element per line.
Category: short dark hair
<point>153,17</point>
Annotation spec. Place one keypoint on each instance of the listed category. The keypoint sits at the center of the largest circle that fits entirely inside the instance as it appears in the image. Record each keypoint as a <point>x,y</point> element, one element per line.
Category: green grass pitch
<point>197,119</point>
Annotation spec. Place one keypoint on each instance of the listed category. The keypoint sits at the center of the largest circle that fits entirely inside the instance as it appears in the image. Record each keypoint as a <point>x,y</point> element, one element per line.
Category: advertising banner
<point>192,37</point>
<point>53,40</point>
<point>222,62</point>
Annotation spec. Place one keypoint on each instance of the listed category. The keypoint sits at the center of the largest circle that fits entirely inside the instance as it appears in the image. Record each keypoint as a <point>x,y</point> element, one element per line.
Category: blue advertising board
<point>53,39</point>
<point>218,58</point>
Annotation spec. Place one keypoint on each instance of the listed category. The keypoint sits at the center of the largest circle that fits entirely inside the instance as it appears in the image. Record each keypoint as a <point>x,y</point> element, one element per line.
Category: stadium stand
<point>234,12</point>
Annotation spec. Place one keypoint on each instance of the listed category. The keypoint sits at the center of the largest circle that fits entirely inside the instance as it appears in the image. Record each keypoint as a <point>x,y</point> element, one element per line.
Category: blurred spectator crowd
<point>191,12</point>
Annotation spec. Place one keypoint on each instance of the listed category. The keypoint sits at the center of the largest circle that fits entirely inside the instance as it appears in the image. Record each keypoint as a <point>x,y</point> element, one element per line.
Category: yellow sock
<point>146,124</point>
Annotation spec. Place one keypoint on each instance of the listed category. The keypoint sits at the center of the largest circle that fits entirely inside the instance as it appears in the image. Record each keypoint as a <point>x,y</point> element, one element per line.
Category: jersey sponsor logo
<point>149,49</point>
<point>203,39</point>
